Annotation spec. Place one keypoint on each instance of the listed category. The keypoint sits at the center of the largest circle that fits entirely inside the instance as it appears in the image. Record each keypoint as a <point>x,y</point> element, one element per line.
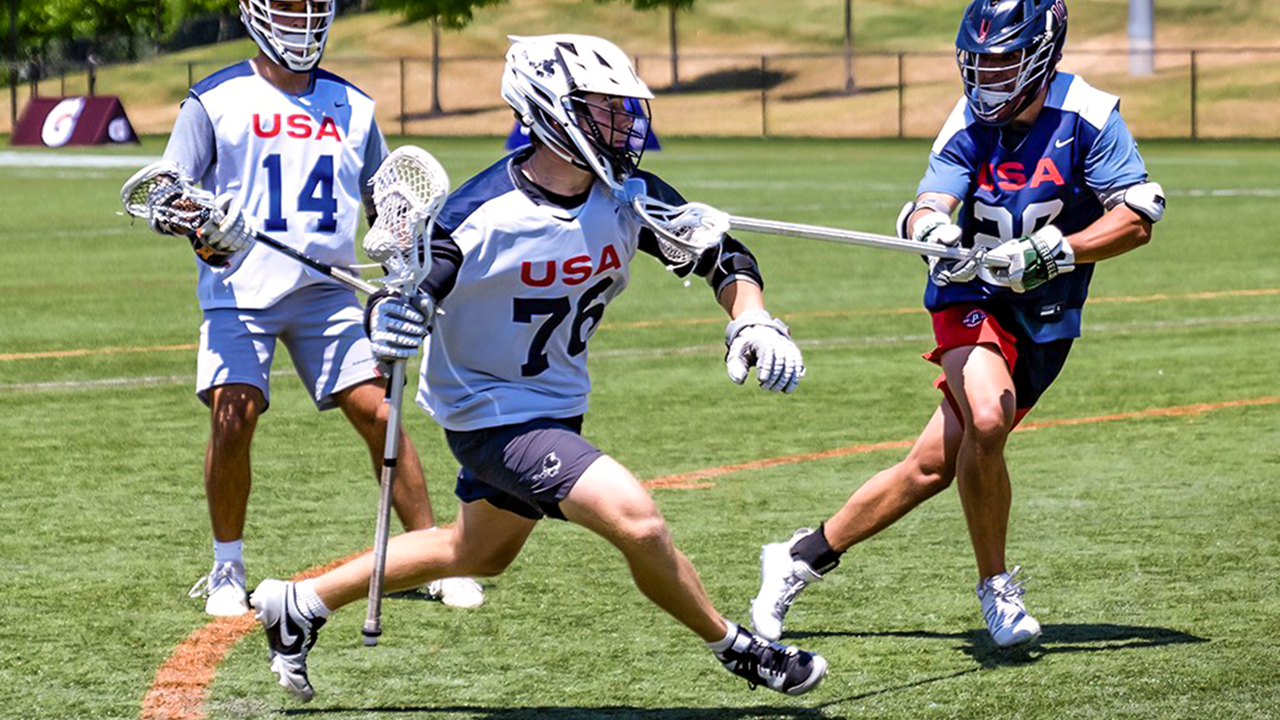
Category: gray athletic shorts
<point>526,469</point>
<point>321,325</point>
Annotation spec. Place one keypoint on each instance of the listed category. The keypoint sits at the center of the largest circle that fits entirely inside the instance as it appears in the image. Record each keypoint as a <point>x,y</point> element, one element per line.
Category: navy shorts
<point>526,469</point>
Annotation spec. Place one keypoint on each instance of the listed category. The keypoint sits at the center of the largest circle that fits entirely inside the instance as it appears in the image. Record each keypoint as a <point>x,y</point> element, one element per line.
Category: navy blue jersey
<point>1011,185</point>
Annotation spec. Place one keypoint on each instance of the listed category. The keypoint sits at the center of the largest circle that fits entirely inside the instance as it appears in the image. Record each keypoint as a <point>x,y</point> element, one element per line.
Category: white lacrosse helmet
<point>545,80</point>
<point>291,32</point>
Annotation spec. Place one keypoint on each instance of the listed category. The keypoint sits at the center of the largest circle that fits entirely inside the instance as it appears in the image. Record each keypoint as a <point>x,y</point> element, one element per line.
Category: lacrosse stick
<point>158,194</point>
<point>686,231</point>
<point>408,190</point>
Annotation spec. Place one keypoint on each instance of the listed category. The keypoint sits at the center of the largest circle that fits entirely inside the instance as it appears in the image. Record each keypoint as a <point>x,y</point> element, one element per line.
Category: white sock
<point>312,606</point>
<point>724,643</point>
<point>228,551</point>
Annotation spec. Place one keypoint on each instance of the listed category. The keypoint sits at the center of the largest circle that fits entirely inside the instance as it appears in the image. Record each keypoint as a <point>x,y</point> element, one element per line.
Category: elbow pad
<point>1146,199</point>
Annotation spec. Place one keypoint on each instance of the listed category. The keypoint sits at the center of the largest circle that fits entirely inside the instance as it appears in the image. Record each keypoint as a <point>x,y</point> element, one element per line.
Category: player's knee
<point>479,560</point>
<point>234,420</point>
<point>989,425</point>
<point>489,565</point>
<point>927,482</point>
<point>646,530</point>
<point>926,476</point>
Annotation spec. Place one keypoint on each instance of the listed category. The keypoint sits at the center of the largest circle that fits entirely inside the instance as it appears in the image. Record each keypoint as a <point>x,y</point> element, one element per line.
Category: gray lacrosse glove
<point>395,326</point>
<point>755,338</point>
<point>225,231</point>
<point>1032,260</point>
<point>936,227</point>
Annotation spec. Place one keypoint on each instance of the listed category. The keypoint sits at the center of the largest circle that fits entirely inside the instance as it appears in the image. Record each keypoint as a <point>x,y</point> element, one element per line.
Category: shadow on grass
<point>730,80</point>
<point>834,93</point>
<point>1057,639</point>
<point>583,713</point>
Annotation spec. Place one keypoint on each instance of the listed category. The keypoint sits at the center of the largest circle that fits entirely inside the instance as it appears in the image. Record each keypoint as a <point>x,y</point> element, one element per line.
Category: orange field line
<point>697,478</point>
<point>1158,297</point>
<point>182,682</point>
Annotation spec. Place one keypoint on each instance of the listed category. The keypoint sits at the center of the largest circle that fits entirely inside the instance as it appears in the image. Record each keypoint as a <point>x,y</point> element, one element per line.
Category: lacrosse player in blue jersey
<point>289,149</point>
<point>526,255</point>
<point>1051,182</point>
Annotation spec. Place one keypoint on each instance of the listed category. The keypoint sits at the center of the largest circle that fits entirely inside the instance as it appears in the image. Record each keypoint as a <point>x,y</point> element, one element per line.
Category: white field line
<point>1261,192</point>
<point>10,158</point>
<point>854,341</point>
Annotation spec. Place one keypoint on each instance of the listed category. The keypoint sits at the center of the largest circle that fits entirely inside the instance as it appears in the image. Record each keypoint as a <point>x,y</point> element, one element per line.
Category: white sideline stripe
<point>864,340</point>
<point>1227,192</point>
<point>10,158</point>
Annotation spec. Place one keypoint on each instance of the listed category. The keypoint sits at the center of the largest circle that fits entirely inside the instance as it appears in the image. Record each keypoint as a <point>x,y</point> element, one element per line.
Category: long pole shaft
<point>373,618</point>
<point>852,237</point>
<point>336,273</point>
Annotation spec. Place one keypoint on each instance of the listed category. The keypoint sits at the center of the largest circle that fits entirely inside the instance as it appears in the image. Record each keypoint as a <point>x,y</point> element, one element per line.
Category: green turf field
<point>1151,541</point>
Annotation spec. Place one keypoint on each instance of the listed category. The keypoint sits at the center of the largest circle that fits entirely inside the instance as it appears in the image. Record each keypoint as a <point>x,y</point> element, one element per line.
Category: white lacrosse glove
<point>936,227</point>
<point>396,327</point>
<point>755,338</point>
<point>1033,260</point>
<point>225,231</point>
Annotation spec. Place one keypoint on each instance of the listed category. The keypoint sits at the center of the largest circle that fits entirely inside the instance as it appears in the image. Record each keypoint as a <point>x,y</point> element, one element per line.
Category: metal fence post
<point>191,74</point>
<point>92,70</point>
<point>902,105</point>
<point>1194,89</point>
<point>402,110</point>
<point>764,96</point>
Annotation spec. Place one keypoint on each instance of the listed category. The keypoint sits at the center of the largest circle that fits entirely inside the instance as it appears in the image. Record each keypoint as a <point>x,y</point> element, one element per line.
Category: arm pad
<point>1146,199</point>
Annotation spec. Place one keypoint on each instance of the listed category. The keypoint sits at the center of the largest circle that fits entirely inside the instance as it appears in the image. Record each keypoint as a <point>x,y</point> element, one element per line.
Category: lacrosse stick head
<point>684,232</point>
<point>408,190</point>
<point>159,194</point>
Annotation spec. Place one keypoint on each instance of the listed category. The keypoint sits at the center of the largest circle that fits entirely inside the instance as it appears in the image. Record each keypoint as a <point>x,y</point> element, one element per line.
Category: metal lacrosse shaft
<point>373,618</point>
<point>852,237</point>
<point>338,274</point>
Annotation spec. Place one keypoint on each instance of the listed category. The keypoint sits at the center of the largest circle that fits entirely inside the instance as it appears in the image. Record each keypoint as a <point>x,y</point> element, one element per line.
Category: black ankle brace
<point>814,550</point>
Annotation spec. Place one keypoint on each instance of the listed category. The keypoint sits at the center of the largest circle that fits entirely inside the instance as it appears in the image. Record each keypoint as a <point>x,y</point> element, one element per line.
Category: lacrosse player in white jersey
<point>289,149</point>
<point>526,255</point>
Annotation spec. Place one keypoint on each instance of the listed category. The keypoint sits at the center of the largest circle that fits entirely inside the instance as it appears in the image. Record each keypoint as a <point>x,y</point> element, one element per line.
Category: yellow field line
<point>640,324</point>
<point>9,357</point>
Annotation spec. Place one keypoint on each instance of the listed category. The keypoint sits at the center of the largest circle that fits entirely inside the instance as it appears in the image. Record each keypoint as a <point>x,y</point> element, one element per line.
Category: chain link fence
<point>1212,93</point>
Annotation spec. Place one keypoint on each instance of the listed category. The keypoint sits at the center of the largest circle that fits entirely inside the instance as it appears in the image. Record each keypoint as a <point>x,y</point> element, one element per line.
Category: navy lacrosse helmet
<point>1008,52</point>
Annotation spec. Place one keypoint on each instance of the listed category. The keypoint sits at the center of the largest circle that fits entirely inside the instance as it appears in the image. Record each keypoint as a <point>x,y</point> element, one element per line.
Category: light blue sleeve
<point>1113,160</point>
<point>945,175</point>
<point>192,145</point>
<point>375,151</point>
<point>951,170</point>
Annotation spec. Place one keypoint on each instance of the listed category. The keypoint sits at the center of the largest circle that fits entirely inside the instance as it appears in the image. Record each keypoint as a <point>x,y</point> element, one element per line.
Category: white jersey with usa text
<point>529,292</point>
<point>295,164</point>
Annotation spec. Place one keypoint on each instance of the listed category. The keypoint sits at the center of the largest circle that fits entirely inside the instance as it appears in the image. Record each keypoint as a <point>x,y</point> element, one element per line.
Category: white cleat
<point>459,592</point>
<point>1007,618</point>
<point>782,577</point>
<point>224,587</point>
<point>290,634</point>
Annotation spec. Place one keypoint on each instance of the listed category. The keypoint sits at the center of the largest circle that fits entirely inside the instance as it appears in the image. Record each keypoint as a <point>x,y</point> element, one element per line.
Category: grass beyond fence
<point>1192,94</point>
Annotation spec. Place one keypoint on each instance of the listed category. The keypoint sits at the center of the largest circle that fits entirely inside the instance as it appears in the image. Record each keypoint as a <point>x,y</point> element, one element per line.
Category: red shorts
<point>967,325</point>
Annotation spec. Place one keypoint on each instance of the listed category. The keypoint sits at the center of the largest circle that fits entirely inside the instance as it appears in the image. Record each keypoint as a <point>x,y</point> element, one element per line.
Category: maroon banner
<point>80,120</point>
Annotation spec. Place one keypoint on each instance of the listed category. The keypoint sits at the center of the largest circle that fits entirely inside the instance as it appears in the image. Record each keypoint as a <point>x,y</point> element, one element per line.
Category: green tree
<point>449,14</point>
<point>673,7</point>
<point>226,10</point>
